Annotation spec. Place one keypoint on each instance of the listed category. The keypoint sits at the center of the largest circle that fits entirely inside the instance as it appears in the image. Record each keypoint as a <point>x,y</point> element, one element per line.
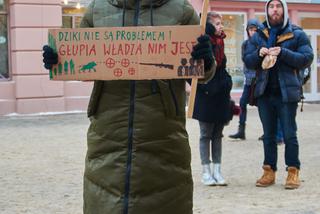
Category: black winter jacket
<point>212,102</point>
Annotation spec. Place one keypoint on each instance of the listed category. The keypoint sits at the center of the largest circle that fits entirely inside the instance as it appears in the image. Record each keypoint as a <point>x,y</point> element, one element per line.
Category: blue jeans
<point>270,109</point>
<point>279,135</point>
<point>210,134</point>
<point>244,100</point>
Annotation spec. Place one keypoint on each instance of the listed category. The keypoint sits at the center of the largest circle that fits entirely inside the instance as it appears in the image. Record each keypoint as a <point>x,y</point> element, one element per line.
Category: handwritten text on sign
<point>125,53</point>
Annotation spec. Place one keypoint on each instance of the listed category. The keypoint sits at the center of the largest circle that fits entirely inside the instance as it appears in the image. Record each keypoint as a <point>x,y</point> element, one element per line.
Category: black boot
<point>240,134</point>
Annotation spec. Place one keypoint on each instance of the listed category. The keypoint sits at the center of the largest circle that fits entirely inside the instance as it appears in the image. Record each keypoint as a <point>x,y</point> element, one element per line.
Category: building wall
<point>30,91</point>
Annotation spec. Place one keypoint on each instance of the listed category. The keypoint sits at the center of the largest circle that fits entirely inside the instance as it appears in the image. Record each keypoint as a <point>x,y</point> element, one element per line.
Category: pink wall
<point>30,90</point>
<point>197,4</point>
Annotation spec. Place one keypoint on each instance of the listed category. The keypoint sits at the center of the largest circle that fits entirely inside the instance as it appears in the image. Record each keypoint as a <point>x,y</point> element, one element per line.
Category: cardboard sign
<point>125,53</point>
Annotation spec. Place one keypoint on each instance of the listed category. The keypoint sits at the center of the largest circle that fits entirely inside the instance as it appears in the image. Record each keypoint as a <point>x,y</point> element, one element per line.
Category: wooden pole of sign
<point>194,82</point>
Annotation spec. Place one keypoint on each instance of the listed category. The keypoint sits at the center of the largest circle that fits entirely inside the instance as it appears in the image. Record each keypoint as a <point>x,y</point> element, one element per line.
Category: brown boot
<point>268,178</point>
<point>293,181</point>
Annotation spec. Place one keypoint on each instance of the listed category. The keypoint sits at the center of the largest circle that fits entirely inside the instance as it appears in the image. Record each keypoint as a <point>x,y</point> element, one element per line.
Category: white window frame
<point>73,18</point>
<point>6,13</point>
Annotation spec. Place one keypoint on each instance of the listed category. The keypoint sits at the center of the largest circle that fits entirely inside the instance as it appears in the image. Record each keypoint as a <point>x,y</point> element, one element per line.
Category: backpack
<point>304,75</point>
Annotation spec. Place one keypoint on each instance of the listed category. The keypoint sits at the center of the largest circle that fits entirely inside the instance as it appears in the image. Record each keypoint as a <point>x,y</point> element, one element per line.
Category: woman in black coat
<point>213,105</point>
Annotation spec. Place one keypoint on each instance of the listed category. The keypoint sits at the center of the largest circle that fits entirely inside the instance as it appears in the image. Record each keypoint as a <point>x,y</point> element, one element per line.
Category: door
<point>312,88</point>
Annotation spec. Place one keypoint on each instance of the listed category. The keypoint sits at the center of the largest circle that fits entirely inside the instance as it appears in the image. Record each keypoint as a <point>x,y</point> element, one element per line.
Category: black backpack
<point>304,75</point>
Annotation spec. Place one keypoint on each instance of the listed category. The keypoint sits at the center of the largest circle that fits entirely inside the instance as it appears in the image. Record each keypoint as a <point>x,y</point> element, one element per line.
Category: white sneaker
<point>206,176</point>
<point>217,175</point>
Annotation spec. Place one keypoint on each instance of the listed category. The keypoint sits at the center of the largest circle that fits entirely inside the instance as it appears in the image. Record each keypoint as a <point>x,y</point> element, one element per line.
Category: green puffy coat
<point>138,158</point>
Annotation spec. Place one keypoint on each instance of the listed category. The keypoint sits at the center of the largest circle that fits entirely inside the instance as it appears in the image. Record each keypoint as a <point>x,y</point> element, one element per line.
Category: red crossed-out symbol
<point>125,62</point>
<point>132,71</point>
<point>117,72</point>
<point>110,63</point>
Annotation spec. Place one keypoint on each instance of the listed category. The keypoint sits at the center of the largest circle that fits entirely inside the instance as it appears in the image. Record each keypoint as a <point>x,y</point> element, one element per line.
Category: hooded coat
<point>213,101</point>
<point>138,156</point>
<point>249,74</point>
<point>296,54</point>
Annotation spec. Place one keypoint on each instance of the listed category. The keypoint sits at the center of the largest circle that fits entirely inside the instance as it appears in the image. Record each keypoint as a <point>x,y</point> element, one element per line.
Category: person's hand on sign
<point>203,50</point>
<point>50,58</point>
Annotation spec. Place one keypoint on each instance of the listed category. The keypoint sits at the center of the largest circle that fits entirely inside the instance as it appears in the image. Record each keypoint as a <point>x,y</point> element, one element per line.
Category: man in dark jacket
<point>252,26</point>
<point>212,104</point>
<point>278,89</point>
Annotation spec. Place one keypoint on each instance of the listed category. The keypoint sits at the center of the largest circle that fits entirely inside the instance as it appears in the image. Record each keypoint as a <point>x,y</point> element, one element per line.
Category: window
<point>4,67</point>
<point>234,29</point>
<point>72,12</point>
<point>2,5</point>
<point>310,21</point>
<point>71,17</point>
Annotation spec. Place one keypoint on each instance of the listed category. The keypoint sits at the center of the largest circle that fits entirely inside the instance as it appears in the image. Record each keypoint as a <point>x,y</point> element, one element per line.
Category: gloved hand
<point>203,50</point>
<point>50,58</point>
<point>210,29</point>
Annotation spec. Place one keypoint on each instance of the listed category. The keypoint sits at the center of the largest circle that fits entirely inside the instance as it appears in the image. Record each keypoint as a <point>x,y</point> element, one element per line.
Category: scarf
<point>218,47</point>
<point>273,33</point>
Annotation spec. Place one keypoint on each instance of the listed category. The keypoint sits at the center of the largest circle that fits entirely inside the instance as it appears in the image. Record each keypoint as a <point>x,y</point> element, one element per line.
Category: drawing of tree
<point>72,71</point>
<point>52,42</point>
<point>66,65</point>
<point>60,68</point>
<point>50,74</point>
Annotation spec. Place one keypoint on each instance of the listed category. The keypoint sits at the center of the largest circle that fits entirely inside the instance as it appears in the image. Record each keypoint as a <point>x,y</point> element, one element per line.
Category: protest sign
<point>125,53</point>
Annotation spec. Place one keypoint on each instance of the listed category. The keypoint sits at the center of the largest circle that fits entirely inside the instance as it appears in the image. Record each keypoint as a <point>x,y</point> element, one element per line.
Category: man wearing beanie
<point>278,52</point>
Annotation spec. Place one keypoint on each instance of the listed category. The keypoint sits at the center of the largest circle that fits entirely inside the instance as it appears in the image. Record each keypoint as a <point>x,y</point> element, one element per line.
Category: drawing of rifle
<point>161,65</point>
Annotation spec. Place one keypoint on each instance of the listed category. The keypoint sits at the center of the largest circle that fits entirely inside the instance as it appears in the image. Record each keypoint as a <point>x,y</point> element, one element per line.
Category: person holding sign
<point>138,156</point>
<point>213,106</point>
<point>278,52</point>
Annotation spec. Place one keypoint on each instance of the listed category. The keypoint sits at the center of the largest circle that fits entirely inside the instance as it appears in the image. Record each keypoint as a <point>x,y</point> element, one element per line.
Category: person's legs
<point>205,138</point>
<point>279,135</point>
<point>268,117</point>
<point>216,150</point>
<point>287,115</point>
<point>216,146</point>
<point>287,112</point>
<point>204,147</point>
<point>244,100</point>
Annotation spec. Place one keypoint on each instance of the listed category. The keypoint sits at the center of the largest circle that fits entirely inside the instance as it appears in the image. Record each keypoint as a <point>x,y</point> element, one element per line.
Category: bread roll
<point>269,61</point>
